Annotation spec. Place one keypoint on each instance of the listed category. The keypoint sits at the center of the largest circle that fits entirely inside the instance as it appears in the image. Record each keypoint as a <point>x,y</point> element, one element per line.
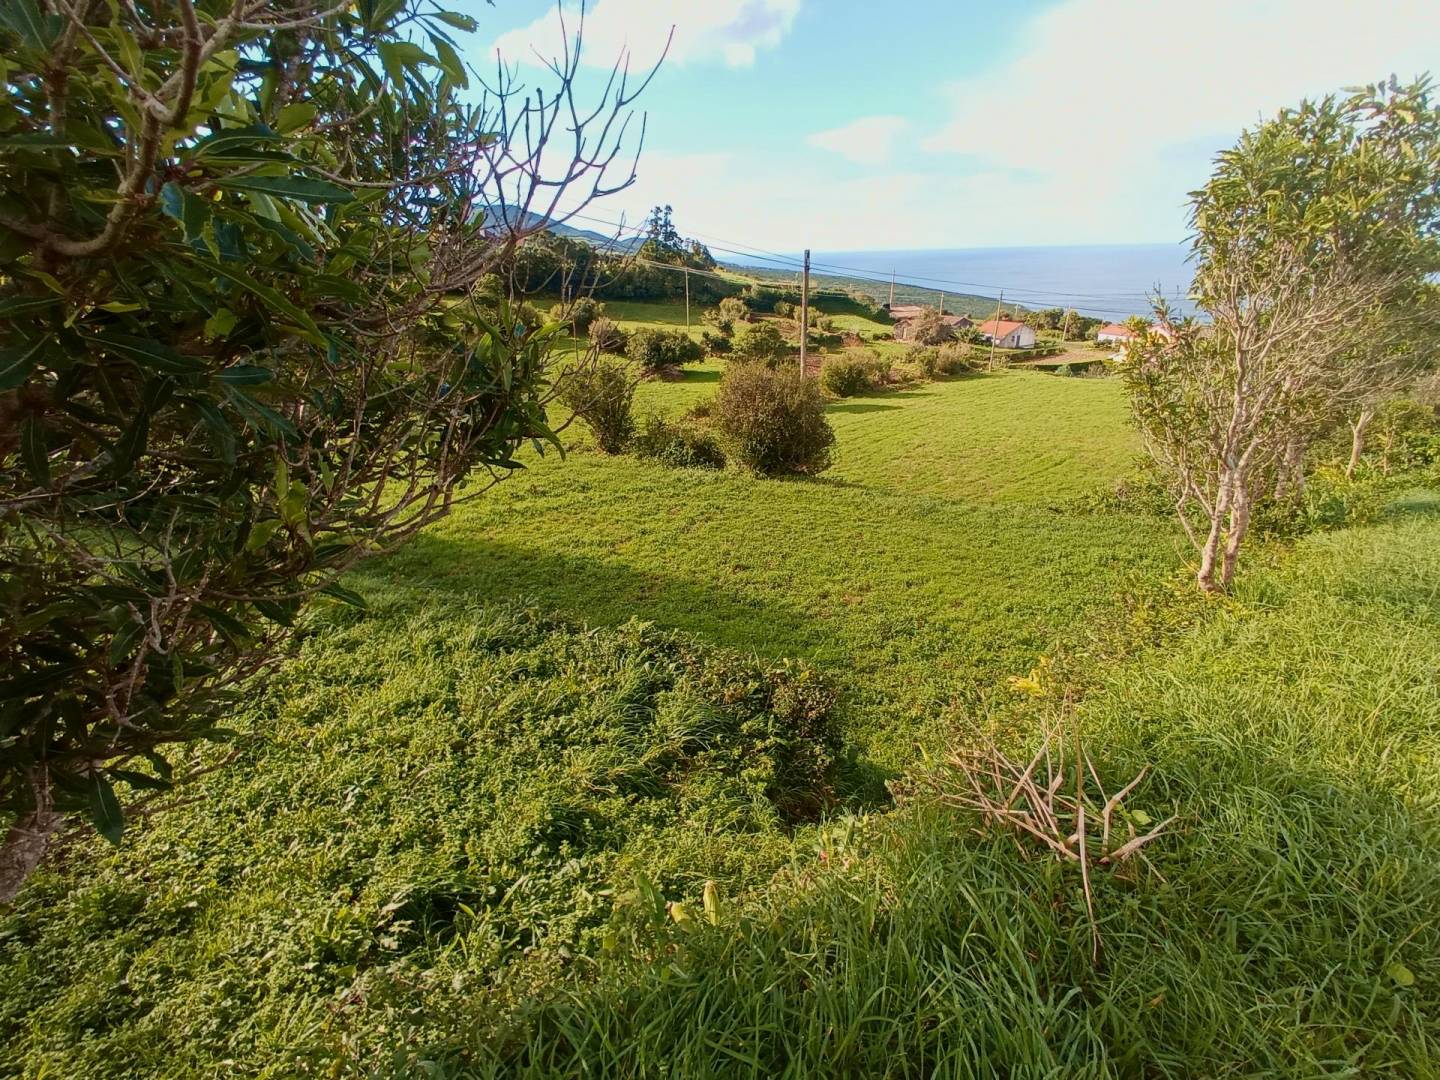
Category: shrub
<point>956,360</point>
<point>716,344</point>
<point>1065,370</point>
<point>601,396</point>
<point>734,309</point>
<point>928,328</point>
<point>773,422</point>
<point>606,335</point>
<point>784,309</point>
<point>853,372</point>
<point>762,344</point>
<point>657,350</point>
<point>680,444</point>
<point>723,324</point>
<point>924,360</point>
<point>581,313</point>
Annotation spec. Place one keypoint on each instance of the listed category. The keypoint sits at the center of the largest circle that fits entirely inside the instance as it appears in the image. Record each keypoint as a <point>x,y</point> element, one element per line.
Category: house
<point>1115,333</point>
<point>1006,334</point>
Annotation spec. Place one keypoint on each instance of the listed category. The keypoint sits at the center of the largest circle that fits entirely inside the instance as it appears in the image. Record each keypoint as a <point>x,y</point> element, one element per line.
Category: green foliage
<point>655,351</point>
<point>216,392</point>
<point>1306,837</point>
<point>734,310</point>
<point>580,313</point>
<point>682,444</point>
<point>601,394</point>
<point>928,328</point>
<point>773,422</point>
<point>856,371</point>
<point>430,797</point>
<point>716,344</point>
<point>761,344</point>
<point>606,336</point>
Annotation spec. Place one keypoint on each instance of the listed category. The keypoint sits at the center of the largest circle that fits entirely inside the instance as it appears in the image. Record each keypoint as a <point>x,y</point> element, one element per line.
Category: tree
<point>244,345</point>
<point>930,328</point>
<point>762,343</point>
<point>1314,244</point>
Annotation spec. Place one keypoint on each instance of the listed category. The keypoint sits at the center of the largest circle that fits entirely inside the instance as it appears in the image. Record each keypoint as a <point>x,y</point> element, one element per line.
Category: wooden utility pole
<point>892,289</point>
<point>687,298</point>
<point>804,309</point>
<point>1000,301</point>
<point>1065,327</point>
<point>942,304</point>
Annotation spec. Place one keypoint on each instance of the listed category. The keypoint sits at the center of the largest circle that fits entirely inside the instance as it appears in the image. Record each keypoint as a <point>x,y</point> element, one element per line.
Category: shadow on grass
<point>862,407</point>
<point>433,571</point>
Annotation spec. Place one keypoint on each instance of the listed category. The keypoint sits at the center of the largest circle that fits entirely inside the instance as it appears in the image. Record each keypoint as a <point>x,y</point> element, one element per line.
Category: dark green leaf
<point>33,450</point>
<point>190,210</point>
<point>265,293</point>
<point>149,353</point>
<point>344,595</point>
<point>224,435</point>
<point>231,140</point>
<point>244,375</point>
<point>298,188</point>
<point>17,362</point>
<point>124,640</point>
<point>132,443</point>
<point>105,810</point>
<point>13,306</point>
<point>24,18</point>
<point>141,780</point>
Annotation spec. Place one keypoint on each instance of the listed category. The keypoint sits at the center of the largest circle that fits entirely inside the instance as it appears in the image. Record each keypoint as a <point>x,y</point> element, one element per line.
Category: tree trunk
<point>1235,536</point>
<point>1210,552</point>
<point>24,846</point>
<point>1357,439</point>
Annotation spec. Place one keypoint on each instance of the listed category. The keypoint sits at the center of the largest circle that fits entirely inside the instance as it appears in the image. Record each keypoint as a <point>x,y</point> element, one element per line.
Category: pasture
<point>454,820</point>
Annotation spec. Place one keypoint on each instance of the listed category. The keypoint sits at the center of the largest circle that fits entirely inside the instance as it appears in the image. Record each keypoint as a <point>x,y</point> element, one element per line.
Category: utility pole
<point>687,298</point>
<point>996,327</point>
<point>804,309</point>
<point>1065,328</point>
<point>892,289</point>
<point>942,303</point>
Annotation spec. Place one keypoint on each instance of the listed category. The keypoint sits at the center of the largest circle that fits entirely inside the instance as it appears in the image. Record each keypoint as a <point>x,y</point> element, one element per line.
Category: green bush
<point>606,336</point>
<point>682,444</point>
<point>856,371</point>
<point>784,309</point>
<point>658,350</point>
<point>734,309</point>
<point>773,422</point>
<point>580,313</point>
<point>762,344</point>
<point>601,395</point>
<point>716,344</point>
<point>957,360</point>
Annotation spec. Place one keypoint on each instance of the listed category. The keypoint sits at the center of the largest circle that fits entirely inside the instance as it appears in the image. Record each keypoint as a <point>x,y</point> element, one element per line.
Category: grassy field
<point>453,823</point>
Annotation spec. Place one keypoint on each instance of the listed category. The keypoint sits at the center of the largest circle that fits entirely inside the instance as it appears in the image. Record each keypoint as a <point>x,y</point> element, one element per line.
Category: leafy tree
<point>1315,245</point>
<point>929,328</point>
<point>762,343</point>
<point>246,342</point>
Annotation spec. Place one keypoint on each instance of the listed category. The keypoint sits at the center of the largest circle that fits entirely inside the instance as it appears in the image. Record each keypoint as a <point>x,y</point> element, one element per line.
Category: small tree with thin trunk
<point>1314,242</point>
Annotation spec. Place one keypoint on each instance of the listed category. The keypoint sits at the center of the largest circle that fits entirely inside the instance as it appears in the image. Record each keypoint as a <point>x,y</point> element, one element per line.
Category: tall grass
<point>1288,927</point>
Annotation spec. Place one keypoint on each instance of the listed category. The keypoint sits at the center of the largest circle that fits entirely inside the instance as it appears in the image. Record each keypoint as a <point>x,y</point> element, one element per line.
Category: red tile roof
<point>1116,330</point>
<point>998,328</point>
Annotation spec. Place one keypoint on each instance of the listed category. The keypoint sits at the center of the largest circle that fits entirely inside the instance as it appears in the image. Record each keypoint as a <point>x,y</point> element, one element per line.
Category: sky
<point>855,125</point>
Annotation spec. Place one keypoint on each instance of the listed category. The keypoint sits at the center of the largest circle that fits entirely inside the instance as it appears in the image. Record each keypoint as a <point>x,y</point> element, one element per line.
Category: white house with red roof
<point>1007,334</point>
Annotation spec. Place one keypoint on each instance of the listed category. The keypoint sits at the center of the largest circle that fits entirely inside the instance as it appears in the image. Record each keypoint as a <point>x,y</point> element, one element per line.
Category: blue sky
<point>934,123</point>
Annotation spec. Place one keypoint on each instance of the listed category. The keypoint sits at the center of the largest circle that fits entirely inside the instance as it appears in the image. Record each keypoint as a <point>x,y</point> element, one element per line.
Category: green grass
<point>1289,927</point>
<point>455,819</point>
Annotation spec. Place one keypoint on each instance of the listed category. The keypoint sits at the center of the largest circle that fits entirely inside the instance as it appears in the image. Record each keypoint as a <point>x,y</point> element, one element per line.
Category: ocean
<point>1110,280</point>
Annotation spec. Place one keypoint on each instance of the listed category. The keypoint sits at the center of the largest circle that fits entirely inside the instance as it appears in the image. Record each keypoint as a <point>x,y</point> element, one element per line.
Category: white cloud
<point>731,32</point>
<point>1112,103</point>
<point>869,140</point>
